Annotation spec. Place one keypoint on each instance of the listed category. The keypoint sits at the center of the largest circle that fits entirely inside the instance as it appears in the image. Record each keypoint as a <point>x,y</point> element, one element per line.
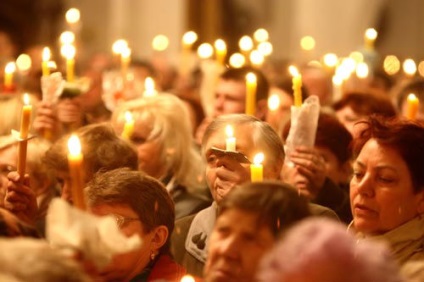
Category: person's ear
<point>261,109</point>
<point>160,236</point>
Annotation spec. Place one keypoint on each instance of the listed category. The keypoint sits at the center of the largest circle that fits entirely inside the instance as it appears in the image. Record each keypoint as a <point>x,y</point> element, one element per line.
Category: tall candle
<point>412,106</point>
<point>125,62</point>
<point>25,123</point>
<point>297,84</point>
<point>369,37</point>
<point>256,169</point>
<point>250,93</point>
<point>149,87</point>
<point>128,126</point>
<point>68,51</point>
<point>45,63</point>
<point>75,162</point>
<point>230,142</point>
<point>273,102</point>
<point>8,74</point>
<point>221,51</point>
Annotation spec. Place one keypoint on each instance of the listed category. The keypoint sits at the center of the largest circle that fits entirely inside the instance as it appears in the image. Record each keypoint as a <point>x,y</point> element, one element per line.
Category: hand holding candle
<point>75,162</point>
<point>256,169</point>
<point>251,85</point>
<point>297,86</point>
<point>23,142</point>
<point>128,126</point>
<point>412,107</point>
<point>230,142</point>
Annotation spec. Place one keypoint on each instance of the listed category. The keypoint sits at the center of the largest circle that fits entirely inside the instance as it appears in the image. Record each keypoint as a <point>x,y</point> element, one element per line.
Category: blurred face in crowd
<point>348,117</point>
<point>337,172</point>
<point>8,163</point>
<point>230,96</point>
<point>237,244</point>
<point>381,191</point>
<point>125,266</point>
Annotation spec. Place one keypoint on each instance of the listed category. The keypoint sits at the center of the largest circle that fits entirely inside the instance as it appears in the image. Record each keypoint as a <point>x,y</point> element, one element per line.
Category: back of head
<point>319,250</point>
<point>142,193</point>
<point>277,204</point>
<point>101,147</point>
<point>262,84</point>
<point>365,104</point>
<point>263,135</point>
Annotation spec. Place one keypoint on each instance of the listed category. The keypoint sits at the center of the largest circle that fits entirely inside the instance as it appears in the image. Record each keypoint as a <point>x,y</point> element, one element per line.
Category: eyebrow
<point>378,167</point>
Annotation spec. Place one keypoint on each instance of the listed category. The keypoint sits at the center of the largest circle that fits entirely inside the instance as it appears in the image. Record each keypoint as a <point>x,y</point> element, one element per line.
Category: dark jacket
<point>163,269</point>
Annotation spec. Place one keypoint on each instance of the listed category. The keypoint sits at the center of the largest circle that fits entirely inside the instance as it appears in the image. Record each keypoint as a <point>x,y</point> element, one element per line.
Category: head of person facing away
<point>142,206</point>
<point>102,149</point>
<point>231,91</point>
<point>251,218</point>
<point>223,172</point>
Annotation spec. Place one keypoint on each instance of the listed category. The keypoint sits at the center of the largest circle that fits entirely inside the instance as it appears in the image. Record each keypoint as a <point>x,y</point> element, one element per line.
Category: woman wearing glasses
<point>141,205</point>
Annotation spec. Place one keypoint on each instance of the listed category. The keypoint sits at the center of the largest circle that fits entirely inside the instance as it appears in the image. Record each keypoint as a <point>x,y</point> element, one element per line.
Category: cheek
<point>210,176</point>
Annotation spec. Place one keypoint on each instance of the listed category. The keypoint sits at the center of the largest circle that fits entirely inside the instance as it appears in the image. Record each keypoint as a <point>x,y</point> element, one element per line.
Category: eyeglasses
<point>122,220</point>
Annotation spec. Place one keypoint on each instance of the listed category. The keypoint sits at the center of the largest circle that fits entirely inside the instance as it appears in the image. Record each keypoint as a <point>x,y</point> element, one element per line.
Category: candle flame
<point>256,58</point>
<point>229,131</point>
<point>126,53</point>
<point>72,15</point>
<point>265,48</point>
<point>412,97</point>
<point>128,117</point>
<point>160,42</point>
<point>220,45</point>
<point>258,159</point>
<point>67,37</point>
<point>187,278</point>
<point>371,34</point>
<point>409,67</point>
<point>246,43</point>
<point>119,45</point>
<point>189,38</point>
<point>205,51</point>
<point>74,145</point>
<point>307,43</point>
<point>251,77</point>
<point>330,60</point>
<point>10,67</point>
<point>293,71</point>
<point>237,60</point>
<point>273,102</point>
<point>26,99</point>
<point>68,51</point>
<point>362,70</point>
<point>23,62</point>
<point>46,54</point>
<point>261,35</point>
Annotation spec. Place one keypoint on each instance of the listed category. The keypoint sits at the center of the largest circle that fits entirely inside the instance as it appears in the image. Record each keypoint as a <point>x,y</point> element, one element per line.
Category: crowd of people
<point>349,208</point>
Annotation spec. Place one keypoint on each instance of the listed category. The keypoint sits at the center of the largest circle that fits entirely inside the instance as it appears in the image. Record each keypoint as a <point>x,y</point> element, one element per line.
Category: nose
<point>365,186</point>
<point>230,248</point>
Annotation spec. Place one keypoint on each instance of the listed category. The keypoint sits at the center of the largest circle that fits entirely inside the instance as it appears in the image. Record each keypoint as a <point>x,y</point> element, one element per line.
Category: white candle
<point>230,142</point>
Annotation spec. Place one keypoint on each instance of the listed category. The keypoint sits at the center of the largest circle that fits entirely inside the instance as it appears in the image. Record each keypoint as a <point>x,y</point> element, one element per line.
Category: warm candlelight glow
<point>246,43</point>
<point>67,37</point>
<point>256,169</point>
<point>23,134</point>
<point>76,173</point>
<point>230,142</point>
<point>128,126</point>
<point>237,60</point>
<point>273,102</point>
<point>205,51</point>
<point>8,74</point>
<point>307,43</point>
<point>119,46</point>
<point>357,56</point>
<point>297,85</point>
<point>369,37</point>
<point>330,60</point>
<point>221,50</point>
<point>160,42</point>
<point>265,48</point>
<point>188,39</point>
<point>421,68</point>
<point>72,16</point>
<point>362,70</point>
<point>187,278</point>
<point>23,62</point>
<point>409,67</point>
<point>412,107</point>
<point>44,64</point>
<point>251,85</point>
<point>261,35</point>
<point>149,87</point>
<point>256,58</point>
<point>68,51</point>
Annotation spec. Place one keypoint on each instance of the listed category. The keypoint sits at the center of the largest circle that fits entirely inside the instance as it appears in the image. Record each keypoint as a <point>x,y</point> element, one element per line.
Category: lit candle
<point>370,36</point>
<point>72,16</point>
<point>128,126</point>
<point>409,67</point>
<point>149,87</point>
<point>75,162</point>
<point>125,62</point>
<point>23,63</point>
<point>237,60</point>
<point>160,42</point>
<point>230,142</point>
<point>205,51</point>
<point>187,278</point>
<point>67,37</point>
<point>297,84</point>
<point>25,123</point>
<point>273,102</point>
<point>118,46</point>
<point>362,70</point>
<point>250,93</point>
<point>221,51</point>
<point>68,51</point>
<point>256,58</point>
<point>8,74</point>
<point>189,38</point>
<point>261,35</point>
<point>245,45</point>
<point>412,106</point>
<point>256,169</point>
<point>45,63</point>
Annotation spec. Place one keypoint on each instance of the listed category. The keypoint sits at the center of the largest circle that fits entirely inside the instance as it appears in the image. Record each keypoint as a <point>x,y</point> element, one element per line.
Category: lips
<point>363,210</point>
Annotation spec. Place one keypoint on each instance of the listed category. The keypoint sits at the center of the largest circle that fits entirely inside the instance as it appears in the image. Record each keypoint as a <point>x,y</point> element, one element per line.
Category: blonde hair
<point>170,125</point>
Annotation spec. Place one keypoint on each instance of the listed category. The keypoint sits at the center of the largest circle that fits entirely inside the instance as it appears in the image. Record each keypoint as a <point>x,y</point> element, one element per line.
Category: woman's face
<point>125,266</point>
<point>381,191</point>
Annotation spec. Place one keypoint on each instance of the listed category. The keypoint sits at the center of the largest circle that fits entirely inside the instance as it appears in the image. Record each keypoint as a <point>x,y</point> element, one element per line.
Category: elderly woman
<point>387,188</point>
<point>141,205</point>
<point>166,151</point>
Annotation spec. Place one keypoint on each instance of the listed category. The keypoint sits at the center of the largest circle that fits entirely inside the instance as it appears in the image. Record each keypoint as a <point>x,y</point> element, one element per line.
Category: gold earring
<point>152,255</point>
